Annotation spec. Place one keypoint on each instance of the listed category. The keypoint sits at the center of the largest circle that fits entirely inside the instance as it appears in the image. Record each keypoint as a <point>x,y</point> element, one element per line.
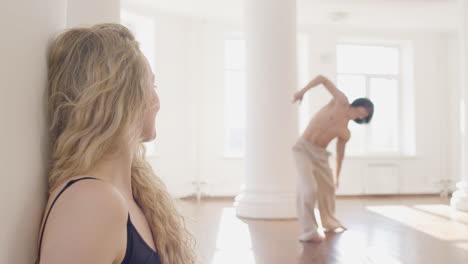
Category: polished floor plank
<point>383,230</point>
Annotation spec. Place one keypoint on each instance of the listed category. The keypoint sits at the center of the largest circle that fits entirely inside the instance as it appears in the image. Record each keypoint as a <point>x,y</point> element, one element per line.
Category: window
<point>234,97</point>
<point>372,72</point>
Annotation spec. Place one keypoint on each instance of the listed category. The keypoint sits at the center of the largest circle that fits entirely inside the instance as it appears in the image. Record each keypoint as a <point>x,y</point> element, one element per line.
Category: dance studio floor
<point>382,230</point>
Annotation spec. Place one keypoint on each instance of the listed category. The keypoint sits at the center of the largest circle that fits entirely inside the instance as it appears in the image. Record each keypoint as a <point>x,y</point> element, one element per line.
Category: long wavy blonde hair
<point>97,78</point>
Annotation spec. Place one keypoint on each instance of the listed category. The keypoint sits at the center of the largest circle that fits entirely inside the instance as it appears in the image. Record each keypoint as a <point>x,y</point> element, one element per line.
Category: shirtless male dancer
<point>316,183</point>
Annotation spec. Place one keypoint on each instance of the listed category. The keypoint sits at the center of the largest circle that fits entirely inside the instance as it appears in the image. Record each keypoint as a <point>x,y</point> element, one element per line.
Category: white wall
<point>176,152</point>
<point>189,59</point>
<point>453,119</point>
<point>434,85</point>
<point>189,75</point>
<point>90,12</point>
<point>27,27</point>
<point>189,70</point>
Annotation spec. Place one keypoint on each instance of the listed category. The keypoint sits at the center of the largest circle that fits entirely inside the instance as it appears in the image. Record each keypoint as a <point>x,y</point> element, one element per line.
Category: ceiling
<point>438,15</point>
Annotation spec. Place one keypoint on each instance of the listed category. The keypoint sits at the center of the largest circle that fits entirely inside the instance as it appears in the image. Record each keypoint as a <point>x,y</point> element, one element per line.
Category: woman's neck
<point>115,168</point>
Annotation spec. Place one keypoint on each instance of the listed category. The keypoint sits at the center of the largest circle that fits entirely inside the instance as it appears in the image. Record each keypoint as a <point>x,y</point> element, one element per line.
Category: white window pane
<point>235,141</point>
<point>235,112</point>
<point>357,144</point>
<point>353,86</point>
<point>234,99</point>
<point>234,54</point>
<point>384,126</point>
<point>367,59</point>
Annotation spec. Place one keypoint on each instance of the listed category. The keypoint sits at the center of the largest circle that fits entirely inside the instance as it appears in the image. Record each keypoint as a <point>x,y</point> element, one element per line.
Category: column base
<point>266,204</point>
<point>459,199</point>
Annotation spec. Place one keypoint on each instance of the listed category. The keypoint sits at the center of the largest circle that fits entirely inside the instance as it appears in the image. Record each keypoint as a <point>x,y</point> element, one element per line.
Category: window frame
<point>227,151</point>
<point>367,149</point>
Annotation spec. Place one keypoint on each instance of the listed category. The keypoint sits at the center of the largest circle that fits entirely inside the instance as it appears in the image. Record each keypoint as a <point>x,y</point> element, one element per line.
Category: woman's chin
<point>150,138</point>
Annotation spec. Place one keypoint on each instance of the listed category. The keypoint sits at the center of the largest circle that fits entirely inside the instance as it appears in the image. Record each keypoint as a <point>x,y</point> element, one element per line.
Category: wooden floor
<point>383,230</point>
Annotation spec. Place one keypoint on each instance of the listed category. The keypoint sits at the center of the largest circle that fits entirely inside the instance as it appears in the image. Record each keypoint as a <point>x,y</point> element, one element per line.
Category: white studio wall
<point>434,83</point>
<point>28,27</point>
<point>89,12</point>
<point>187,54</point>
<point>460,196</point>
<point>189,65</point>
<point>23,155</point>
<point>453,85</point>
<point>189,149</point>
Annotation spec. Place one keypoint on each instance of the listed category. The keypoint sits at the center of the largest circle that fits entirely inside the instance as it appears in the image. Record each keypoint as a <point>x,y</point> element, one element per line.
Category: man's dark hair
<point>368,105</point>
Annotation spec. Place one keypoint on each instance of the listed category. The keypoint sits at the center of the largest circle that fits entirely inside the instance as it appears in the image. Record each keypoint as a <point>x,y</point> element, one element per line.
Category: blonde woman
<point>106,205</point>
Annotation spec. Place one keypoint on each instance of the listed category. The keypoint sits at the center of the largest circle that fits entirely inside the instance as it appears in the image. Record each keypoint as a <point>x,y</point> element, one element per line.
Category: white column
<point>89,12</point>
<point>271,128</point>
<point>460,196</point>
<point>27,27</point>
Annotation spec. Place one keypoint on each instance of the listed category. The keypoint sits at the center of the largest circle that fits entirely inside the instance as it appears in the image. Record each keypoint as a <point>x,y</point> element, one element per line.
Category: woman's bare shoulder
<point>86,225</point>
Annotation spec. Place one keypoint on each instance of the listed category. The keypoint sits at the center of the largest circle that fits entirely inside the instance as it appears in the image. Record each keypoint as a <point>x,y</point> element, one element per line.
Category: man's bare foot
<point>338,229</point>
<point>316,239</point>
<point>313,239</point>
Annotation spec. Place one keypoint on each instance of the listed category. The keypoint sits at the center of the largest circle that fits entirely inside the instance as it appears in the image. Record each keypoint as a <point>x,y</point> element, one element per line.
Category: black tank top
<point>137,252</point>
